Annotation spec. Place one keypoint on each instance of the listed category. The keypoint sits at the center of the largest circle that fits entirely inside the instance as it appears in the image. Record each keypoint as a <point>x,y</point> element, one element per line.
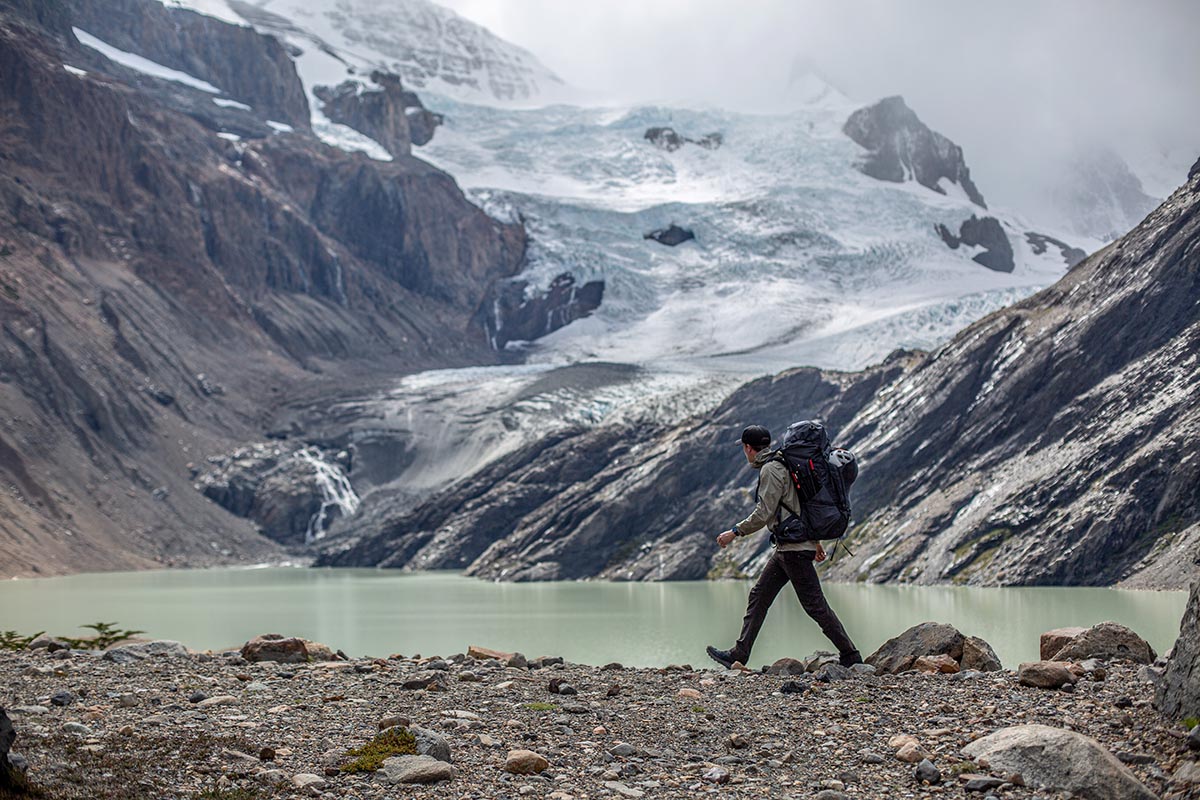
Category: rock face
<point>1040,242</point>
<point>1059,760</point>
<point>1108,641</point>
<point>900,147</point>
<point>987,233</point>
<point>385,112</point>
<point>514,313</point>
<point>668,139</point>
<point>247,66</point>
<point>142,250</point>
<point>671,235</point>
<point>1178,695</point>
<point>292,492</point>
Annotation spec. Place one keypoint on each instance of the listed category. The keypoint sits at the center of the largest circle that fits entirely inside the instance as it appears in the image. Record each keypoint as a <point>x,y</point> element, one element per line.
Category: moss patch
<point>540,706</point>
<point>1190,722</point>
<point>369,757</point>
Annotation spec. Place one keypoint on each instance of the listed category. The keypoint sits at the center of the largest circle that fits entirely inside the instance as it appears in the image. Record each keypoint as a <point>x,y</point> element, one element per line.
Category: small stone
<point>127,700</point>
<point>567,689</point>
<point>196,697</point>
<point>62,698</point>
<point>274,777</point>
<point>1045,674</point>
<point>266,754</point>
<point>980,783</point>
<point>219,700</point>
<point>1193,738</point>
<point>622,750</point>
<point>869,757</point>
<point>392,720</point>
<point>911,753</point>
<point>305,780</point>
<point>935,664</point>
<point>927,772</point>
<point>691,693</point>
<point>257,686</point>
<point>525,762</point>
<point>77,728</point>
<point>1188,773</point>
<point>467,676</point>
<point>613,665</point>
<point>126,730</point>
<point>794,687</point>
<point>716,775</point>
<point>518,661</point>
<point>831,794</point>
<point>1134,758</point>
<point>737,741</point>
<point>623,790</point>
<point>613,691</point>
<point>416,769</point>
<point>901,739</point>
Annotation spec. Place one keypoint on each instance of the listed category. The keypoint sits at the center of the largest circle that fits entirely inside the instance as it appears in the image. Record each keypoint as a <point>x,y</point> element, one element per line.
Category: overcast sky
<point>1024,79</point>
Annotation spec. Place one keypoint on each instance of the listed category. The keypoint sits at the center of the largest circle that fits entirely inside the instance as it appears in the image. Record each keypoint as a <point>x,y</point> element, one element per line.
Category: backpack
<point>822,476</point>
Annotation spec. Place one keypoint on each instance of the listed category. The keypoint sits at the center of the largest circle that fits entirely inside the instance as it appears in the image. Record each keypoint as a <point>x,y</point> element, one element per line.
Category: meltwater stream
<point>374,612</point>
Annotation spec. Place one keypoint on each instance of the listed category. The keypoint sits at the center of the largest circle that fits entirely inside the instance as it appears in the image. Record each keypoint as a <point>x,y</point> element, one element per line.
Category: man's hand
<point>725,538</point>
<point>820,555</point>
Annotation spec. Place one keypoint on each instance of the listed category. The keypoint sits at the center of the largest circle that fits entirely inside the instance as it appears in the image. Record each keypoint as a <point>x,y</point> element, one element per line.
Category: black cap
<point>757,437</point>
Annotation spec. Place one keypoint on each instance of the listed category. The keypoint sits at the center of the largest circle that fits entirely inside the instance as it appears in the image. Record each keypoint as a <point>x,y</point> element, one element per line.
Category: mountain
<point>1051,442</point>
<point>1100,196</point>
<point>178,253</point>
<point>429,46</point>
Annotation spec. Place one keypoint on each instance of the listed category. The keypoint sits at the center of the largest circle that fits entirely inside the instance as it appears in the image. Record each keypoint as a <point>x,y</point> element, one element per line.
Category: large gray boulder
<point>1059,760</point>
<point>416,769</point>
<point>927,639</point>
<point>1178,694</point>
<point>1109,641</point>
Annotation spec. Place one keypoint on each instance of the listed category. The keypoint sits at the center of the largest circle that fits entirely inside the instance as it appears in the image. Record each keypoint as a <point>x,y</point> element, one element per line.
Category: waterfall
<point>336,492</point>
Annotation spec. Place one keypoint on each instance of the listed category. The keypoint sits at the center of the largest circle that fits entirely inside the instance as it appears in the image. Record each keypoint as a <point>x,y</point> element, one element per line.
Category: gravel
<point>135,731</point>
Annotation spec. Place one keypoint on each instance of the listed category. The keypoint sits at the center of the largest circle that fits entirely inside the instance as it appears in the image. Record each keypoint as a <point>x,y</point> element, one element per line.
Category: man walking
<point>791,562</point>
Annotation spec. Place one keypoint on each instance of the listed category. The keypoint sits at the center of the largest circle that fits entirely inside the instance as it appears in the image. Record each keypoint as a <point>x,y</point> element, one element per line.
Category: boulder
<point>1053,641</point>
<point>43,641</point>
<point>1058,760</point>
<point>285,649</point>
<point>484,653</point>
<point>131,653</point>
<point>1178,693</point>
<point>430,743</point>
<point>979,655</point>
<point>1045,674</point>
<point>1110,641</point>
<point>671,235</point>
<point>416,769</point>
<point>927,639</point>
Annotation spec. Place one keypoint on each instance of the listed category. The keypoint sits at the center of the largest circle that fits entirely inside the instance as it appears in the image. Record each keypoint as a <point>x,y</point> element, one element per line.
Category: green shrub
<point>369,757</point>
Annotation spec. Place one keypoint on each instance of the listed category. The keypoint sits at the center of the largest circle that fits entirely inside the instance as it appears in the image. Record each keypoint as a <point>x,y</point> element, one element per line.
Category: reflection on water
<point>374,612</point>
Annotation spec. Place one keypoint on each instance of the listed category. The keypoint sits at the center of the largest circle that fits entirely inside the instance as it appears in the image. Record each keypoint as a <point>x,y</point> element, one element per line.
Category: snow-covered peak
<point>432,48</point>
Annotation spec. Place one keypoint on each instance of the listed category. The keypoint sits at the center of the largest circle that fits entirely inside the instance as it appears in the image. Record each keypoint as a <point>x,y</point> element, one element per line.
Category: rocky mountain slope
<point>1052,442</point>
<point>178,254</point>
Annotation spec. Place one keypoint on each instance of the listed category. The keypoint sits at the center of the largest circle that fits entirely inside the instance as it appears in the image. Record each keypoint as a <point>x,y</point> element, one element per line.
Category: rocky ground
<point>213,725</point>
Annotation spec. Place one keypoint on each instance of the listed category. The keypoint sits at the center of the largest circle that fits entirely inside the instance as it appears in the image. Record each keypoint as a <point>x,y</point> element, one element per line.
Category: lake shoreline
<point>184,724</point>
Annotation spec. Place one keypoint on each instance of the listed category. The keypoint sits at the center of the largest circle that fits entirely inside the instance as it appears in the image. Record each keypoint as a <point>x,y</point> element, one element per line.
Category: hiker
<point>778,502</point>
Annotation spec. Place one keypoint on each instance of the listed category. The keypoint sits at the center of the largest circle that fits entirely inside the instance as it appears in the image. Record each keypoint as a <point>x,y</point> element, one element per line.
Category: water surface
<point>379,612</point>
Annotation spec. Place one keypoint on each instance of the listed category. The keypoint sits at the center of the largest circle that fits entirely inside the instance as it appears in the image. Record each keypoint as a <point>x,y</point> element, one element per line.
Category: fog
<point>1020,85</point>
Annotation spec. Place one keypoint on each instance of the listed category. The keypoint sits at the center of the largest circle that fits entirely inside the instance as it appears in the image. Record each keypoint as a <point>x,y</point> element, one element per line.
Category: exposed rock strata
<point>1178,695</point>
<point>670,140</point>
<point>395,118</point>
<point>671,236</point>
<point>900,147</point>
<point>247,66</point>
<point>989,234</point>
<point>514,313</point>
<point>1040,242</point>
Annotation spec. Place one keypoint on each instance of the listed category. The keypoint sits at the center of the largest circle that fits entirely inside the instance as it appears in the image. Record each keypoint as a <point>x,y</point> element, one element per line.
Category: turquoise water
<point>379,612</point>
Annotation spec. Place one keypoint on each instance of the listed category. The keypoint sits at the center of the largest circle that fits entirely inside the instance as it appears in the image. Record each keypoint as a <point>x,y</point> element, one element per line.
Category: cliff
<point>165,282</point>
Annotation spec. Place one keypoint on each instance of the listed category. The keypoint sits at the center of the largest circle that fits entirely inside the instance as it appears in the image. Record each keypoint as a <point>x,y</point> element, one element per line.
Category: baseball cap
<point>756,436</point>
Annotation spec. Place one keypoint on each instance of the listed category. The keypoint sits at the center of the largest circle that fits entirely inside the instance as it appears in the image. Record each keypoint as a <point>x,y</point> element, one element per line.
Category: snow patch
<point>280,127</point>
<point>229,137</point>
<point>209,8</point>
<point>224,102</point>
<point>76,71</point>
<point>140,64</point>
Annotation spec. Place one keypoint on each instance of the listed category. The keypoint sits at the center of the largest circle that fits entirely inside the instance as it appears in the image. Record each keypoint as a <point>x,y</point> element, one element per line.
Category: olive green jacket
<point>774,486</point>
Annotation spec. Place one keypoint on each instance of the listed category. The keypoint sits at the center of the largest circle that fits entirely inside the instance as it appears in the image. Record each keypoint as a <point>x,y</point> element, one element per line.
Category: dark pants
<point>796,567</point>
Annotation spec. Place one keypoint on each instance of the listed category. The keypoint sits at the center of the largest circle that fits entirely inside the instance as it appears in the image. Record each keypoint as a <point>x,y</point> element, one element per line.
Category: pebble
<point>926,771</point>
<point>525,762</point>
<point>62,698</point>
<point>622,750</point>
<point>219,700</point>
<point>305,780</point>
<point>196,697</point>
<point>77,728</point>
<point>623,790</point>
<point>716,775</point>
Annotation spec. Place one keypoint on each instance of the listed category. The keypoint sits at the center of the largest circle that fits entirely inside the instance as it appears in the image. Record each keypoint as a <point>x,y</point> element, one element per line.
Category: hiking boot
<point>848,659</point>
<point>722,657</point>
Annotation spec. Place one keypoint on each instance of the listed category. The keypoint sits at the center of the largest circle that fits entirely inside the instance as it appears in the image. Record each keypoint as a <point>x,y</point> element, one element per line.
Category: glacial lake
<point>379,612</point>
